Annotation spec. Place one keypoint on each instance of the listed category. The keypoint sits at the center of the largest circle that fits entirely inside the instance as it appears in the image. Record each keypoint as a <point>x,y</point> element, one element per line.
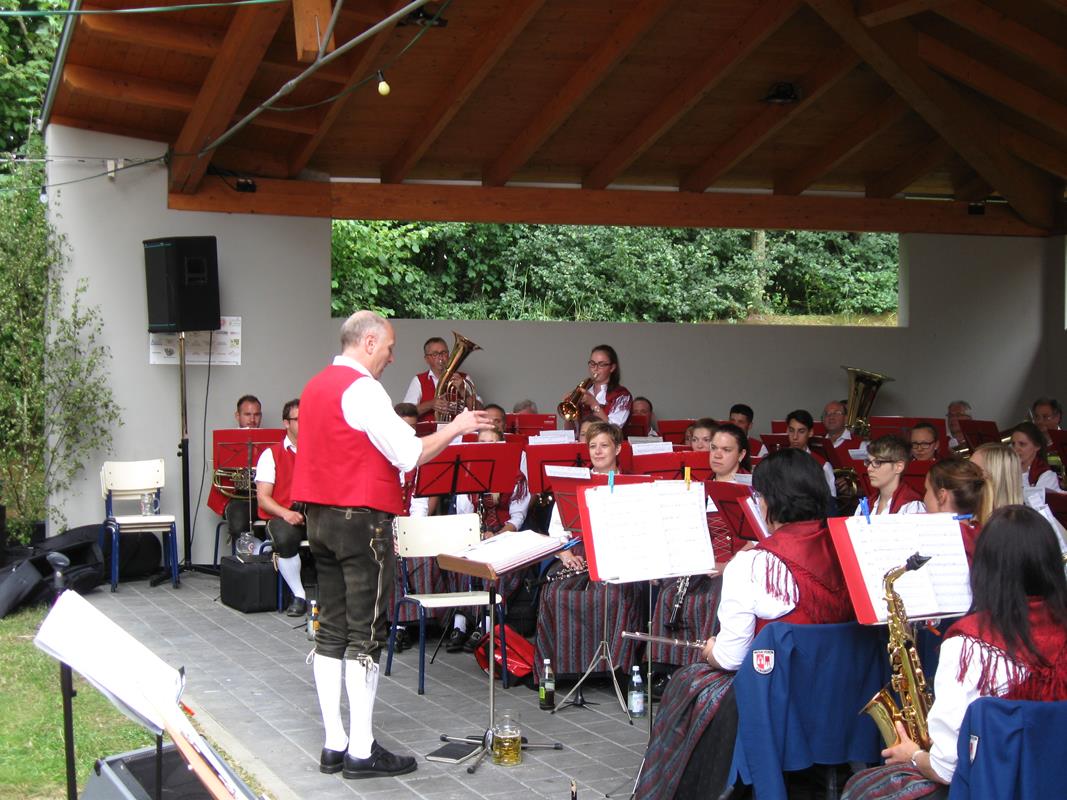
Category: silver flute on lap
<point>667,640</point>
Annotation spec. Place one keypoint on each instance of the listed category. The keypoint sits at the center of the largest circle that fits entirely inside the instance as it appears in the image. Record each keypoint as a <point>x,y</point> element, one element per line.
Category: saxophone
<point>908,679</point>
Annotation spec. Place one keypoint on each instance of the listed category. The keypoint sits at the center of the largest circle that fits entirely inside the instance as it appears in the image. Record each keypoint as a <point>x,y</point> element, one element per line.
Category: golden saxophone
<point>908,679</point>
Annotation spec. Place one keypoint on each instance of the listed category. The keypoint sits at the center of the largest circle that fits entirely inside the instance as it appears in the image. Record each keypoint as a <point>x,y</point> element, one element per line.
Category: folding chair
<point>428,537</point>
<point>127,482</point>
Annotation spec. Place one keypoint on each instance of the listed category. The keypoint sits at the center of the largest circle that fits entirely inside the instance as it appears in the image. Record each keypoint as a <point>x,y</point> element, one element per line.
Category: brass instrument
<point>571,407</point>
<point>908,679</point>
<point>863,388</point>
<point>674,621</point>
<point>236,483</point>
<point>460,395</point>
<point>667,640</point>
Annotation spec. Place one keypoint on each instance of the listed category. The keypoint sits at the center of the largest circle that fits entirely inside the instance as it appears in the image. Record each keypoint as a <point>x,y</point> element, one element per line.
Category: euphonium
<point>863,388</point>
<point>571,406</point>
<point>908,679</point>
<point>461,395</point>
<point>236,483</point>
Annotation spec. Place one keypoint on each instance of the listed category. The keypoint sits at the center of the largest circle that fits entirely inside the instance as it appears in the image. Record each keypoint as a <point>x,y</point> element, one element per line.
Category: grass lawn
<point>32,765</point>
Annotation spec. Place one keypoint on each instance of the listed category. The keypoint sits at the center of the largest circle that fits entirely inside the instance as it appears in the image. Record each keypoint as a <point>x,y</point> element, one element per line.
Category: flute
<point>648,637</point>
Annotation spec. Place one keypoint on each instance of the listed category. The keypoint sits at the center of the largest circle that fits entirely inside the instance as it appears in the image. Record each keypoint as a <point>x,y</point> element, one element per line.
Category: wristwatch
<point>914,757</point>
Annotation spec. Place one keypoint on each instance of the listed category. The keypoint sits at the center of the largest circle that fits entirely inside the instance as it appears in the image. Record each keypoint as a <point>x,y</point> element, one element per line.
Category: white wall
<point>977,309</point>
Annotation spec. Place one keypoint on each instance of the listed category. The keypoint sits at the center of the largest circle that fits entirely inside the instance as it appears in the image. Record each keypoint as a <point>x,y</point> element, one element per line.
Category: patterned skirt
<point>571,616</point>
<point>688,709</point>
<point>696,620</point>
<point>424,577</point>
<point>892,782</point>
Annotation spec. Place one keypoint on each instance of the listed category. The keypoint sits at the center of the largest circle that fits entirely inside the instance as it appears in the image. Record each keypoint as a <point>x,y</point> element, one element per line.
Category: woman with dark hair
<point>703,429</point>
<point>1012,644</point>
<point>570,614</point>
<point>1029,445</point>
<point>886,458</point>
<point>793,576</point>
<point>607,399</point>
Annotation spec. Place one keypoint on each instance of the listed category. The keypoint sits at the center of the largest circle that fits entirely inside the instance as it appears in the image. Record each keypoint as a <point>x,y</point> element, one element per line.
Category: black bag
<point>140,555</point>
<point>250,585</point>
<point>520,611</point>
<point>20,583</point>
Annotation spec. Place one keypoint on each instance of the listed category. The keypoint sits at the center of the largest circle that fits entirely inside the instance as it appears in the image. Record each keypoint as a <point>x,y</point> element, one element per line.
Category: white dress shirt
<point>744,599</point>
<point>366,407</point>
<point>266,470</point>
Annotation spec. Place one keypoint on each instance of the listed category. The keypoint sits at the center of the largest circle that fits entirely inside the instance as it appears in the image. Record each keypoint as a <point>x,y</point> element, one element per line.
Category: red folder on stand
<point>977,432</point>
<point>671,466</point>
<point>470,468</point>
<point>673,430</point>
<point>237,449</point>
<point>637,425</point>
<point>775,442</point>
<point>529,424</point>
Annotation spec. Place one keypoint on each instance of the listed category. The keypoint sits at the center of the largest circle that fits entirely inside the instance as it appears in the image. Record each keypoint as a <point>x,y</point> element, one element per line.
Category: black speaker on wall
<point>182,278</point>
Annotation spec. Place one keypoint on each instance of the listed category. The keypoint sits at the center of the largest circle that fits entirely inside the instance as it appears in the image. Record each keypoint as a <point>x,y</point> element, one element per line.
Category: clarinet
<point>558,575</point>
<point>682,589</point>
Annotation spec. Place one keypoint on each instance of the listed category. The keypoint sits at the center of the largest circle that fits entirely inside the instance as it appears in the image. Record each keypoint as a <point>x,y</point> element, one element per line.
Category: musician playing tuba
<point>1012,644</point>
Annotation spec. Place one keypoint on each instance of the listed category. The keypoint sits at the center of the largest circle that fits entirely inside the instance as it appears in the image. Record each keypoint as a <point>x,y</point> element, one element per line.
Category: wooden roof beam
<point>493,44</point>
<point>311,18</point>
<point>972,188</point>
<point>507,204</point>
<point>194,40</point>
<point>842,147</point>
<point>993,83</point>
<point>895,180</point>
<point>999,29</point>
<point>879,12</point>
<point>246,41</point>
<point>1049,158</point>
<point>361,61</point>
<point>769,121</point>
<point>585,79</point>
<point>726,55</point>
<point>966,124</point>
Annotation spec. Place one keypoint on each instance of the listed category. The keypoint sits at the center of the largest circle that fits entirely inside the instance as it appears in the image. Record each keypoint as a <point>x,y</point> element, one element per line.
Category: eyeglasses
<point>599,364</point>
<point>872,463</point>
<point>437,354</point>
<point>833,414</point>
<point>291,419</point>
<point>922,444</point>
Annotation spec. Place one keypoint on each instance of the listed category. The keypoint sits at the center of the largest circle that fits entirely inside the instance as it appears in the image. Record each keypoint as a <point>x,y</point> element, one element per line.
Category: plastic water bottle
<point>246,545</point>
<point>636,693</point>
<point>547,690</point>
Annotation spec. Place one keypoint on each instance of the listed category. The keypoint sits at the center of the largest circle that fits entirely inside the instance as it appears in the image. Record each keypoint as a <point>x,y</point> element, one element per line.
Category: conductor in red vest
<point>353,449</point>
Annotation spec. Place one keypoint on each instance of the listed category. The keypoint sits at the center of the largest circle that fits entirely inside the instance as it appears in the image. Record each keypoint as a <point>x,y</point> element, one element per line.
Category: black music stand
<point>473,467</point>
<point>489,575</point>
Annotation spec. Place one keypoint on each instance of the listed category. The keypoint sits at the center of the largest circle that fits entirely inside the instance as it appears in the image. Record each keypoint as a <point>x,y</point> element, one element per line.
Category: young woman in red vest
<point>958,487</point>
<point>886,459</point>
<point>793,576</point>
<point>1012,644</point>
<point>607,400</point>
<point>1029,445</point>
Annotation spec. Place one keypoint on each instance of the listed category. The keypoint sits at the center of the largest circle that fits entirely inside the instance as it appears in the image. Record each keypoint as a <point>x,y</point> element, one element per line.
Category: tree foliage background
<point>621,274</point>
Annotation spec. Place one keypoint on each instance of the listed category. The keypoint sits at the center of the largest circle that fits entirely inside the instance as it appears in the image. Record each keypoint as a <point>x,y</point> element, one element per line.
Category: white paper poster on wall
<point>223,346</point>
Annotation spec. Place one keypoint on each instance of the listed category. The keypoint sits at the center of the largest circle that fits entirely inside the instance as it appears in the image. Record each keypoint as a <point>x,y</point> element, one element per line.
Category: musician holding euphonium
<point>793,576</point>
<point>423,391</point>
<point>1012,644</point>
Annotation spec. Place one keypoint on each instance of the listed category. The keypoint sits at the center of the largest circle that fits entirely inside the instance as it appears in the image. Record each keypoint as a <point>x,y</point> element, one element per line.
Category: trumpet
<point>698,644</point>
<point>571,406</point>
<point>236,483</point>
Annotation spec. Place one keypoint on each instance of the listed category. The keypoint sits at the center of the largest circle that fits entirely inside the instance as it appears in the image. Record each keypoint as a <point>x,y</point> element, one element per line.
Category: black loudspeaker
<point>182,278</point>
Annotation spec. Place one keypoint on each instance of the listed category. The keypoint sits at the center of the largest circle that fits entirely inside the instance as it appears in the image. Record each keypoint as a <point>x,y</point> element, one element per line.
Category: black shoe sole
<point>374,773</point>
<point>332,769</point>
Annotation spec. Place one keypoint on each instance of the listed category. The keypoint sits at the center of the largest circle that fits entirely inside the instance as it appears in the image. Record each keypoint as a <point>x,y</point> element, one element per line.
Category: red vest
<point>428,389</point>
<point>903,495</point>
<point>284,462</point>
<point>807,552</point>
<point>337,465</point>
<point>1038,468</point>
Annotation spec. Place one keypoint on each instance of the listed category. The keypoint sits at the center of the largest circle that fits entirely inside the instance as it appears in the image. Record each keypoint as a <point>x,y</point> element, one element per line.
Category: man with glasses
<point>285,520</point>
<point>1047,414</point>
<point>923,439</point>
<point>833,419</point>
<point>957,410</point>
<point>421,390</point>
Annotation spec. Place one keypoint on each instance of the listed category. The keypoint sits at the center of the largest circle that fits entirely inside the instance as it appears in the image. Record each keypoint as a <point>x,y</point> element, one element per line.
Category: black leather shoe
<point>658,685</point>
<point>456,640</point>
<point>297,608</point>
<point>475,640</point>
<point>331,761</point>
<point>380,764</point>
<point>402,641</point>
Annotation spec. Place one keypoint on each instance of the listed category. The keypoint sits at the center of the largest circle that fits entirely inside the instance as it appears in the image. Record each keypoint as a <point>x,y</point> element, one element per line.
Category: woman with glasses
<point>886,459</point>
<point>571,610</point>
<point>1029,445</point>
<point>793,576</point>
<point>1012,644</point>
<point>923,442</point>
<point>606,400</point>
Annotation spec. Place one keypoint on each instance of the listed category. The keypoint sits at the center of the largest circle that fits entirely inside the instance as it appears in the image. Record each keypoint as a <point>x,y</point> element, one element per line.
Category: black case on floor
<point>250,585</point>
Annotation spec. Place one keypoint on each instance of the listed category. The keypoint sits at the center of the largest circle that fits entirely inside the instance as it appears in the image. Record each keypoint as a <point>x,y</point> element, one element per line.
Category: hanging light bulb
<point>383,85</point>
<point>43,196</point>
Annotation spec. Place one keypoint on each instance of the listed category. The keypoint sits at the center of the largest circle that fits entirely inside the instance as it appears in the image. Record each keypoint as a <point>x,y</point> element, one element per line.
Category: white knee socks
<point>328,685</point>
<point>361,681</point>
<point>290,572</point>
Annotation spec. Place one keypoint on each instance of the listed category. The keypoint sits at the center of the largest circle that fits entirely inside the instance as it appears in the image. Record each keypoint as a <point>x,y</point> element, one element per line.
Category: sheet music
<point>553,437</point>
<point>561,471</point>
<point>940,588</point>
<point>506,550</point>
<point>753,506</point>
<point>645,448</point>
<point>646,531</point>
<point>744,480</point>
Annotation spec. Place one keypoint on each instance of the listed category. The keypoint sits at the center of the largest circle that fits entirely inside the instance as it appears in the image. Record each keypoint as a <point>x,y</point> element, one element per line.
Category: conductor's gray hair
<point>359,325</point>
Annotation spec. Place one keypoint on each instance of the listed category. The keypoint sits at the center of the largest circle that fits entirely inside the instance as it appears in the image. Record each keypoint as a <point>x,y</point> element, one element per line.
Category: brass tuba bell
<point>863,388</point>
<point>460,395</point>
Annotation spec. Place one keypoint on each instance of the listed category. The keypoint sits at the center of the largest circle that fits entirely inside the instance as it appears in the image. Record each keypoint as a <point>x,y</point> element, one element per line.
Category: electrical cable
<point>81,12</point>
<point>103,174</point>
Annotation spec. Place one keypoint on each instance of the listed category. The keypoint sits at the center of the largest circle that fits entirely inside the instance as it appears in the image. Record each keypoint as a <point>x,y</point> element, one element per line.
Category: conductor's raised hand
<point>471,421</point>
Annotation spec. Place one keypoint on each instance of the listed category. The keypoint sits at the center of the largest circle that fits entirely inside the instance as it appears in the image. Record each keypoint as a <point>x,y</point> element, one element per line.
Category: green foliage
<point>27,48</point>
<point>560,272</point>
<point>56,407</point>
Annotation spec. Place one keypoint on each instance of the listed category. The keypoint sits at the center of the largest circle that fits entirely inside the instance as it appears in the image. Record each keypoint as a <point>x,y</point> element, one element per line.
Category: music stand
<point>470,468</point>
<point>671,466</point>
<point>490,576</point>
<point>731,500</point>
<point>977,432</point>
<point>529,424</point>
<point>567,454</point>
<point>638,425</point>
<point>673,430</point>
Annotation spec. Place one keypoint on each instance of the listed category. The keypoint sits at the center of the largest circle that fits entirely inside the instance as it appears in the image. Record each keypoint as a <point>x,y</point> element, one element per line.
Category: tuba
<point>236,483</point>
<point>571,406</point>
<point>908,679</point>
<point>460,395</point>
<point>863,388</point>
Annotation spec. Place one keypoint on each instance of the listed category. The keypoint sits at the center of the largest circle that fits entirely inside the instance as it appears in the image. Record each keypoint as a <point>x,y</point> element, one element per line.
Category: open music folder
<point>645,531</point>
<point>867,550</point>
